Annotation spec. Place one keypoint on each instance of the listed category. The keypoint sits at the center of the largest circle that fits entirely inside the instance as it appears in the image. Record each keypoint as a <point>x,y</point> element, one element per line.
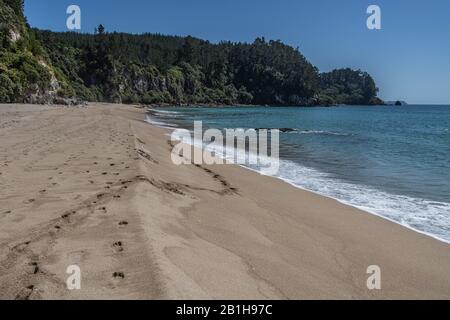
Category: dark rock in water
<point>397,103</point>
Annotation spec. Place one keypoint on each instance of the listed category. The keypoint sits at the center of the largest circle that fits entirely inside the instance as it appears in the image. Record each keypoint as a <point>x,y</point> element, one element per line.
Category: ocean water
<point>390,161</point>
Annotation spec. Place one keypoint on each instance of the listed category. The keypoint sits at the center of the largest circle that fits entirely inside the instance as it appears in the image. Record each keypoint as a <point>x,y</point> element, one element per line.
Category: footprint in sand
<point>21,246</point>
<point>67,215</point>
<point>119,275</point>
<point>101,195</point>
<point>118,246</point>
<point>35,267</point>
<point>25,293</point>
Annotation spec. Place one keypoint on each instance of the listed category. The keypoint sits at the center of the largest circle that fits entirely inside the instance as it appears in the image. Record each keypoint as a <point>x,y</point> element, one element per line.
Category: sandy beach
<point>95,187</point>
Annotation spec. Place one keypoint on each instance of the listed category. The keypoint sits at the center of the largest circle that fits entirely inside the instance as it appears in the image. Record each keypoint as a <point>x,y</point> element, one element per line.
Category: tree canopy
<point>159,69</point>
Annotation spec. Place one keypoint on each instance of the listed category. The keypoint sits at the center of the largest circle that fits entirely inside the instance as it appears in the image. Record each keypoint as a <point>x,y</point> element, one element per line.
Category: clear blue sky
<point>409,58</point>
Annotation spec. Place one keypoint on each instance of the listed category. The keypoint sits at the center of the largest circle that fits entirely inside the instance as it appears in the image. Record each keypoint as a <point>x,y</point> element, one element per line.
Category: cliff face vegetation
<point>25,74</point>
<point>44,66</point>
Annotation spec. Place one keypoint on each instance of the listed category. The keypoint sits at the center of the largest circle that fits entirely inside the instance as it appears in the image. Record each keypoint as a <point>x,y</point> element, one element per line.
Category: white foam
<point>320,132</point>
<point>428,217</point>
<point>159,124</point>
<point>165,113</point>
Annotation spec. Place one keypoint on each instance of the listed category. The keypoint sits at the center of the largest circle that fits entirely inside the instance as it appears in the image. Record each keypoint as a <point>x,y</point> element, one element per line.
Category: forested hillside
<point>38,66</point>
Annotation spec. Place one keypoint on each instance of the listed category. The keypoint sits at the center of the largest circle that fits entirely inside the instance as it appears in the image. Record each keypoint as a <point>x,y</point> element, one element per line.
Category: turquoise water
<point>390,161</point>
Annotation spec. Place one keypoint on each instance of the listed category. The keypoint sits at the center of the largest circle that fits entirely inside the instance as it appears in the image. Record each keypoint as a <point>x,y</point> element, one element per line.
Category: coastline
<point>156,106</point>
<point>369,208</point>
<point>214,232</point>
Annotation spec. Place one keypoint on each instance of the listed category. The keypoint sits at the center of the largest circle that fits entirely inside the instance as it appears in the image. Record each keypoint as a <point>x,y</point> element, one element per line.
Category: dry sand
<point>95,187</point>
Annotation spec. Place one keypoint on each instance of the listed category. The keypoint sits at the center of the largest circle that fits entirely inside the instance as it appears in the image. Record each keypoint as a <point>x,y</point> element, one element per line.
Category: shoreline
<point>434,237</point>
<point>96,187</point>
<point>170,127</point>
<point>212,106</point>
